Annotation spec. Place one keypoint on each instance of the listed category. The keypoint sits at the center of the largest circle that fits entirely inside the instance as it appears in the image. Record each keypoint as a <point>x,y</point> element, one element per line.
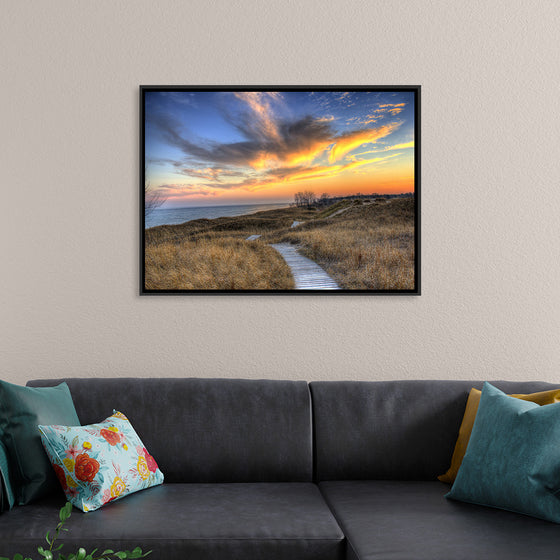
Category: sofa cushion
<point>399,430</point>
<point>410,520</point>
<point>100,463</point>
<point>542,398</point>
<point>513,457</point>
<point>7,496</point>
<point>276,521</point>
<point>21,410</point>
<point>209,430</point>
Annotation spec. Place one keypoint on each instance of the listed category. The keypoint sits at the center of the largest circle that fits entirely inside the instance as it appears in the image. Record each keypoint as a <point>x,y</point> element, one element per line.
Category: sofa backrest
<point>208,430</point>
<point>400,430</point>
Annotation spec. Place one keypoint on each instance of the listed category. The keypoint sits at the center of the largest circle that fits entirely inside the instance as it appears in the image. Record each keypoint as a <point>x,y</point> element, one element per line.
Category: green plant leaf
<point>4,558</point>
<point>46,554</point>
<point>65,512</point>
<point>68,508</point>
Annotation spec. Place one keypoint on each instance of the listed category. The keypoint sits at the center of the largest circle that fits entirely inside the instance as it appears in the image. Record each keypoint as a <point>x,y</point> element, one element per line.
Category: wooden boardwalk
<point>308,275</point>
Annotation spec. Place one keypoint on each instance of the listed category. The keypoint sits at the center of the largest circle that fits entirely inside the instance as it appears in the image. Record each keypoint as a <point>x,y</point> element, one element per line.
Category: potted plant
<point>53,553</point>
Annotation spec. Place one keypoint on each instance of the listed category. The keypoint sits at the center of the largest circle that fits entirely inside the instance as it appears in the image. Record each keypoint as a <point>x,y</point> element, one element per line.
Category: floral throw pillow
<point>99,463</point>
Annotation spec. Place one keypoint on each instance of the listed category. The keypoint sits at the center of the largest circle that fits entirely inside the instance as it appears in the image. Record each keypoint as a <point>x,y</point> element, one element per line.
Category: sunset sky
<point>221,148</point>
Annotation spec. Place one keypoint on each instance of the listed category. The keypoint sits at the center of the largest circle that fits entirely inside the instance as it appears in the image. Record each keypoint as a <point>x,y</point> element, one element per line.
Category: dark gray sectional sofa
<point>285,470</point>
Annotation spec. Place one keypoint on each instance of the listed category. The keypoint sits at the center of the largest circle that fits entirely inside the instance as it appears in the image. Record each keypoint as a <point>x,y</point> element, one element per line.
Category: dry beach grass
<point>215,264</point>
<point>368,246</point>
<point>361,245</point>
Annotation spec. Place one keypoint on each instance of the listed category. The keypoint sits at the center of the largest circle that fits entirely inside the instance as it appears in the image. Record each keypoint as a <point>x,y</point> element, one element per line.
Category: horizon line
<point>289,202</point>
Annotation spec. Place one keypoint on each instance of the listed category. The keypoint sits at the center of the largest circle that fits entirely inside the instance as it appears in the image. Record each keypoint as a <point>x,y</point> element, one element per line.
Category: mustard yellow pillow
<point>541,398</point>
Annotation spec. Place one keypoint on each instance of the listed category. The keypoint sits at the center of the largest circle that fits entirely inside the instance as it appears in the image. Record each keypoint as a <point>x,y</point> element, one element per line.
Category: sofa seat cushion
<point>192,521</point>
<point>411,520</point>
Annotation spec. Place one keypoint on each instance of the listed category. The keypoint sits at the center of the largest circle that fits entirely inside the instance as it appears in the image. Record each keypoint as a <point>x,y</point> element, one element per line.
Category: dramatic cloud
<point>277,175</point>
<point>273,146</point>
<point>271,143</point>
<point>279,142</point>
<point>258,122</point>
<point>177,191</point>
<point>211,173</point>
<point>388,148</point>
<point>352,140</point>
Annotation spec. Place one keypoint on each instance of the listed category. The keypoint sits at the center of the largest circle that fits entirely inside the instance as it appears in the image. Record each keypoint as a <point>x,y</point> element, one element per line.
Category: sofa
<point>286,470</point>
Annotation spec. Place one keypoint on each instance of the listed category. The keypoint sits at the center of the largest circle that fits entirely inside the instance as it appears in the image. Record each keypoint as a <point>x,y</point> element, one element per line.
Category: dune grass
<point>370,245</point>
<point>215,264</point>
<point>213,254</point>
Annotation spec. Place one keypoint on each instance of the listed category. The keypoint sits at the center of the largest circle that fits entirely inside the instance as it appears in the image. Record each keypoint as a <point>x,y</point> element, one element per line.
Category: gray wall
<point>490,189</point>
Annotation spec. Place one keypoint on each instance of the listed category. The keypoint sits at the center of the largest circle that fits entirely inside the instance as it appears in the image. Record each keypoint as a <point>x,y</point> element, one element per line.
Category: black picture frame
<point>145,116</point>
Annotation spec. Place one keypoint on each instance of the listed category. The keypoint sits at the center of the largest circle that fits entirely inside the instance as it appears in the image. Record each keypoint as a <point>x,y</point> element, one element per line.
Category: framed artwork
<point>285,189</point>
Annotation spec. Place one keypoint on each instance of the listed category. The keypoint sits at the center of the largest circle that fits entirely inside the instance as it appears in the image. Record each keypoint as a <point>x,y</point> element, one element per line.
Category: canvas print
<point>285,190</point>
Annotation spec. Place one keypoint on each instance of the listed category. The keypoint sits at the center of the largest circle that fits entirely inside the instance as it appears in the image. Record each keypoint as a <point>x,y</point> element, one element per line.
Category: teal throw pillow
<point>7,497</point>
<point>21,410</point>
<point>100,463</point>
<point>513,457</point>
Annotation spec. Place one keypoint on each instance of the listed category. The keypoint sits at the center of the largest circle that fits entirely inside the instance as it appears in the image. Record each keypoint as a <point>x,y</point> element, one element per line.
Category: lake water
<point>171,216</point>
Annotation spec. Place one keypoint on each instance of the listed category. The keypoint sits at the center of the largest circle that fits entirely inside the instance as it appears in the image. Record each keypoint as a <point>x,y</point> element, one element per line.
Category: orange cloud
<point>403,146</point>
<point>318,171</point>
<point>258,103</point>
<point>308,153</point>
<point>390,108</point>
<point>360,162</point>
<point>393,108</point>
<point>178,191</point>
<point>352,140</point>
<point>265,160</point>
<point>314,172</point>
<point>207,173</point>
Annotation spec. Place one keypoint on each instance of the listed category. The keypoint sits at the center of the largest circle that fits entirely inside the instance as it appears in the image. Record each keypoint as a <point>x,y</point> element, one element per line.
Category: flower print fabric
<point>99,463</point>
<point>85,467</point>
<point>112,436</point>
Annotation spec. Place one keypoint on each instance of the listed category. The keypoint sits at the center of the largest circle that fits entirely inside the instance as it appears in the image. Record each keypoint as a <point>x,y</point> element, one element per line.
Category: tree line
<point>309,199</point>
